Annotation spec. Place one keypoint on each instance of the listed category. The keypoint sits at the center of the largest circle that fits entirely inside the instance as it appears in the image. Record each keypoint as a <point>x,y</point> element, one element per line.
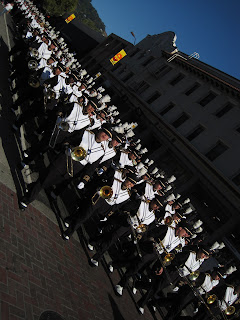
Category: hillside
<point>88,15</point>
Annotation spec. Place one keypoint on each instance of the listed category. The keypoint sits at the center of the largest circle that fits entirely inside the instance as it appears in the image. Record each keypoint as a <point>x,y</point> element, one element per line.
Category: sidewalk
<point>39,271</point>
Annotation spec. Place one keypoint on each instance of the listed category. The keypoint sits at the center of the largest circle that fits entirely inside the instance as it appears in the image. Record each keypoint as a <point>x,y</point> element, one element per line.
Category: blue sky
<point>209,27</point>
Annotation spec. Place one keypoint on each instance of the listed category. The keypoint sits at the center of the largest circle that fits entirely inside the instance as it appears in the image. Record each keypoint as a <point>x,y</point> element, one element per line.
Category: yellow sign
<point>118,57</point>
<point>70,18</point>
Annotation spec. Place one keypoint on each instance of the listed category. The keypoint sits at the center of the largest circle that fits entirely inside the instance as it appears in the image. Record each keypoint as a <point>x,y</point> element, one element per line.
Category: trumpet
<point>32,64</point>
<point>105,192</point>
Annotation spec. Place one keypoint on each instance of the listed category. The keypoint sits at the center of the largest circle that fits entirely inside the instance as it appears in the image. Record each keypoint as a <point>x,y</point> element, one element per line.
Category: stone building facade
<point>189,119</point>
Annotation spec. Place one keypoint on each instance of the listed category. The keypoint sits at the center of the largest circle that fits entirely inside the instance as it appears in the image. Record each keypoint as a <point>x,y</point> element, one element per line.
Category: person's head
<point>202,253</point>
<point>237,290</point>
<point>176,206</point>
<point>89,108</point>
<point>182,232</point>
<point>50,61</point>
<point>132,155</point>
<point>57,71</point>
<point>215,275</point>
<point>82,87</point>
<point>104,133</point>
<point>52,47</point>
<point>101,115</point>
<point>45,40</point>
<point>130,181</point>
<point>155,203</point>
<point>157,185</point>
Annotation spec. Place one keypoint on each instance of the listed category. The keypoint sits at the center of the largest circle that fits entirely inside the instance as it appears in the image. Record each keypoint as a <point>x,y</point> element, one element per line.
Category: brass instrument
<point>211,298</point>
<point>60,124</point>
<point>34,52</point>
<point>230,310</point>
<point>141,228</point>
<point>178,248</point>
<point>195,290</point>
<point>194,275</point>
<point>164,262</point>
<point>33,81</point>
<point>32,64</point>
<point>78,153</point>
<point>105,192</point>
<point>136,236</point>
<point>168,258</point>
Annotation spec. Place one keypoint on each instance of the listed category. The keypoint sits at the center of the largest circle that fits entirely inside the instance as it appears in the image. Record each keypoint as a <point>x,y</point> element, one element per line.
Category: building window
<point>177,79</point>
<point>154,97</point>
<point>236,180</point>
<point>128,76</point>
<point>224,110</point>
<point>216,151</point>
<point>143,86</point>
<point>116,66</point>
<point>192,89</point>
<point>169,107</point>
<point>196,132</point>
<point>135,51</point>
<point>141,55</point>
<point>179,121</point>
<point>207,99</point>
<point>149,60</point>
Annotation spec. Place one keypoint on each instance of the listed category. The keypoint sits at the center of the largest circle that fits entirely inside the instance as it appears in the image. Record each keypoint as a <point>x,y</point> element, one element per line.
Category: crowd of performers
<point>127,198</point>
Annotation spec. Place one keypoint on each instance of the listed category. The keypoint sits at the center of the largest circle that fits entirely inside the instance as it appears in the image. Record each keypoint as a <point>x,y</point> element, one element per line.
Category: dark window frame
<point>221,112</point>
<point>153,97</point>
<point>210,154</point>
<point>192,89</point>
<point>195,132</point>
<point>180,120</point>
<point>167,108</point>
<point>177,79</point>
<point>207,99</point>
<point>128,76</point>
<point>148,61</point>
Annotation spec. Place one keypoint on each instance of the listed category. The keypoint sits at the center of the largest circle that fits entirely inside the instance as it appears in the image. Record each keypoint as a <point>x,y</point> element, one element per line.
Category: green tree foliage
<point>59,7</point>
<point>88,15</point>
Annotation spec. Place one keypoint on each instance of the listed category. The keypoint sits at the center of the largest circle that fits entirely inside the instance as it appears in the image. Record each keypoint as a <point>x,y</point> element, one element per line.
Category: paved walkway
<point>39,271</point>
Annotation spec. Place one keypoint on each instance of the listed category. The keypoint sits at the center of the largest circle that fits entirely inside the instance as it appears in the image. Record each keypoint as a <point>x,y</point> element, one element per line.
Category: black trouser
<point>110,239</point>
<point>159,284</point>
<point>184,296</point>
<point>135,267</point>
<point>56,175</point>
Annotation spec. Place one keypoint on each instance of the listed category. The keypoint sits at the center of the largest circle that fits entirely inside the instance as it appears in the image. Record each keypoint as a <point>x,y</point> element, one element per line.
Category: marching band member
<point>120,194</point>
<point>62,170</point>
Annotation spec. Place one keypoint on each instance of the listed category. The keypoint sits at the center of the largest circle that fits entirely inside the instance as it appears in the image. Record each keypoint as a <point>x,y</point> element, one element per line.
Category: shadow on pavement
<point>116,312</point>
<point>10,142</point>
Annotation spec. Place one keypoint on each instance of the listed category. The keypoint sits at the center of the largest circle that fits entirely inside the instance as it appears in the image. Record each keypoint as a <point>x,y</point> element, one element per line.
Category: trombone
<point>60,124</point>
<point>105,192</point>
<point>164,261</point>
<point>77,154</point>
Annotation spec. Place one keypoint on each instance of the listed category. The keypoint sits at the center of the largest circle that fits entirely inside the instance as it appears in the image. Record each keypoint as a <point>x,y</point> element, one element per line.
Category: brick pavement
<point>39,271</point>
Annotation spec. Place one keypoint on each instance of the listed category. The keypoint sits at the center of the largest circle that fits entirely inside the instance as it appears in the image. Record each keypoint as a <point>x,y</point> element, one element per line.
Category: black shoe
<point>23,205</point>
<point>65,236</point>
